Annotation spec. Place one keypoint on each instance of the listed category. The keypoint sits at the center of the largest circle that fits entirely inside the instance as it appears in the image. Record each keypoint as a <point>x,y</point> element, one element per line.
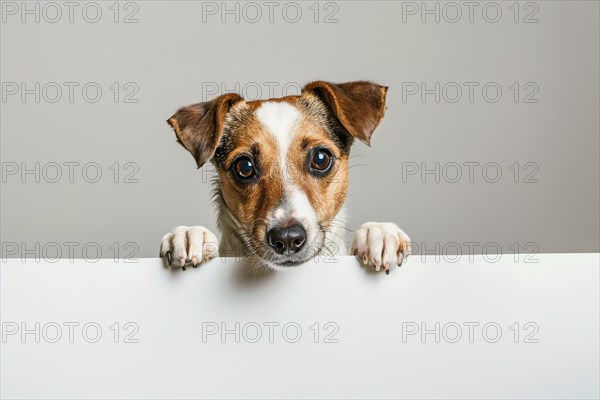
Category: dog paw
<point>188,246</point>
<point>380,245</point>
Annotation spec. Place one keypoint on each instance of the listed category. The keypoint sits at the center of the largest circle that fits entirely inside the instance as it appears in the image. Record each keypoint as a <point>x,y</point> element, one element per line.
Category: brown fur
<point>226,127</point>
<point>251,204</point>
<point>199,127</point>
<point>359,106</point>
<point>326,194</point>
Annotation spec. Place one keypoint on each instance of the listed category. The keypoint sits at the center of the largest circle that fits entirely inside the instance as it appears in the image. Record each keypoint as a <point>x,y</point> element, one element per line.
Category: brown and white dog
<point>282,180</point>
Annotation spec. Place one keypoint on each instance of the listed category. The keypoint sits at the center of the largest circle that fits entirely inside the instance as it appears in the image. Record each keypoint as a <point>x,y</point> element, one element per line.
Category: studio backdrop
<point>489,142</point>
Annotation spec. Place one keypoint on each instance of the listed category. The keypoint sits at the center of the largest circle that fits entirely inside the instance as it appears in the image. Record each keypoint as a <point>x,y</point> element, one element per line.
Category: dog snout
<point>287,240</point>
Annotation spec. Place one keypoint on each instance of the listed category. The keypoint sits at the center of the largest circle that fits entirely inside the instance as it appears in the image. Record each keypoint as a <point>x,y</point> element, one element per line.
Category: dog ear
<point>359,106</point>
<point>199,127</point>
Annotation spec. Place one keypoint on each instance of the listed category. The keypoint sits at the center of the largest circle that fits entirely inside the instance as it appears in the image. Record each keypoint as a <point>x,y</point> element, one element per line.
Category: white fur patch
<point>299,205</point>
<point>380,245</point>
<point>280,119</point>
<point>189,245</point>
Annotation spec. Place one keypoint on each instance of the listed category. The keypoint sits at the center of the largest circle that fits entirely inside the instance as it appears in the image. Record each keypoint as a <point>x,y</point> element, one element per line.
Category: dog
<point>282,177</point>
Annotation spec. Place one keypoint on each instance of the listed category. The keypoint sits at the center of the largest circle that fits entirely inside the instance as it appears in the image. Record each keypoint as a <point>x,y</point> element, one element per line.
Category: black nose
<point>287,240</point>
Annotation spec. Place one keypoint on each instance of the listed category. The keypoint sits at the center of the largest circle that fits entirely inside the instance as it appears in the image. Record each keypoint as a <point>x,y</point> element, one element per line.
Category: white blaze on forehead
<point>280,119</point>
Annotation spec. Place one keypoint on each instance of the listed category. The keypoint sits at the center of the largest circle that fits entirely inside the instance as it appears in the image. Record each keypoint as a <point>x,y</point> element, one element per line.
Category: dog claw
<point>381,245</point>
<point>187,246</point>
<point>183,268</point>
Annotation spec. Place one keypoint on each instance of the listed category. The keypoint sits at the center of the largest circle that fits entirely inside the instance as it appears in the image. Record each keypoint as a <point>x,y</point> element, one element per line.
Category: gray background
<point>171,54</point>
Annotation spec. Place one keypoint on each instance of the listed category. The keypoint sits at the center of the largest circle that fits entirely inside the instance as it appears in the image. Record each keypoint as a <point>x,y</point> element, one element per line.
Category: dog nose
<point>287,240</point>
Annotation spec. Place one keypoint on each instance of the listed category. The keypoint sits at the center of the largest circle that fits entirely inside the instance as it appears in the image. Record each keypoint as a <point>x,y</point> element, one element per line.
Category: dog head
<point>283,163</point>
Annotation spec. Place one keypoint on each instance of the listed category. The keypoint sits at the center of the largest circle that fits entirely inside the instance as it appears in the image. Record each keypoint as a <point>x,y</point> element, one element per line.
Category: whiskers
<point>352,165</point>
<point>333,230</point>
<point>337,223</point>
<point>253,255</point>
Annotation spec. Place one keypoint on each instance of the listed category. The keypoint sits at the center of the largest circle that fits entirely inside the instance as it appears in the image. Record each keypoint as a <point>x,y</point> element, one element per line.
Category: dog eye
<point>244,168</point>
<point>321,160</point>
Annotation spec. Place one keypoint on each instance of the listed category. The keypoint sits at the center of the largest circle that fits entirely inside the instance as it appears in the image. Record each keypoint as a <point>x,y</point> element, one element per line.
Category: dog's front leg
<point>188,246</point>
<point>380,245</point>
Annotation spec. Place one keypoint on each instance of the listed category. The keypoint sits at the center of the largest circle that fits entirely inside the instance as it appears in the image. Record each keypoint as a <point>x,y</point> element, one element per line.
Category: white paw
<point>380,245</point>
<point>188,245</point>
